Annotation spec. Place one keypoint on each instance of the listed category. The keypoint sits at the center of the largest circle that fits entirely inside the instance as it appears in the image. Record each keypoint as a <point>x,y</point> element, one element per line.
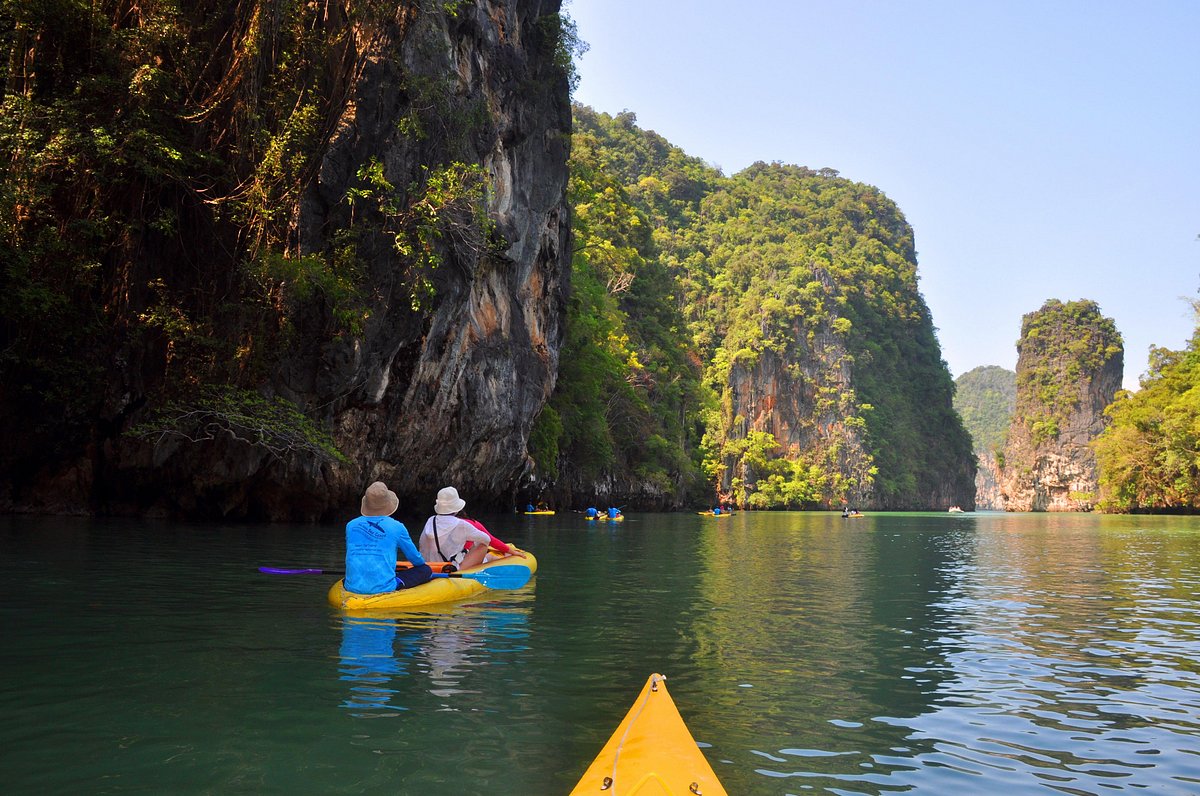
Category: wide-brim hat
<point>379,501</point>
<point>448,501</point>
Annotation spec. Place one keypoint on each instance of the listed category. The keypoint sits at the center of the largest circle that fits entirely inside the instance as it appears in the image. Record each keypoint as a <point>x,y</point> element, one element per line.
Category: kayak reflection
<point>381,657</point>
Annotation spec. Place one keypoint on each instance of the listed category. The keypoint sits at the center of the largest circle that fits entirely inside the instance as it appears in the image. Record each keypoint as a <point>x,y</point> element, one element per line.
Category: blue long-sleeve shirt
<point>373,545</point>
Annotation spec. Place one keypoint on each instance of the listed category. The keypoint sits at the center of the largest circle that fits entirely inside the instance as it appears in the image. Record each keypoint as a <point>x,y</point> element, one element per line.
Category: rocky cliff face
<point>1069,368</point>
<point>988,496</point>
<point>455,346</point>
<point>807,403</point>
<point>448,396</point>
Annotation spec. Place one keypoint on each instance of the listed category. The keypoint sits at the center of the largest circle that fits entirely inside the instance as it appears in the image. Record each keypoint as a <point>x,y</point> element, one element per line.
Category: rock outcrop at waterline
<point>1069,368</point>
<point>408,254</point>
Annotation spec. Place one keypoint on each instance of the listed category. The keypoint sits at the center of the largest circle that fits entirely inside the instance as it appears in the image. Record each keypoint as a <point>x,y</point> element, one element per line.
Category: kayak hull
<point>651,752</point>
<point>438,590</point>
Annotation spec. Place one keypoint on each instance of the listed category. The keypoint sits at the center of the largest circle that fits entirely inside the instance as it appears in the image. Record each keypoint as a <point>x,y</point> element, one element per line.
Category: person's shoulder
<point>393,523</point>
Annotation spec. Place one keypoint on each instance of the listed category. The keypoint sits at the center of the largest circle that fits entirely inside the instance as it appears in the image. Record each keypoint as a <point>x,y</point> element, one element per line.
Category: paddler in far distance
<point>613,513</point>
<point>374,541</point>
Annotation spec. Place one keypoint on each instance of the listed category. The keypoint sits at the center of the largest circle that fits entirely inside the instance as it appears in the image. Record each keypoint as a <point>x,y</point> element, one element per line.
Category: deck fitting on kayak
<point>606,784</point>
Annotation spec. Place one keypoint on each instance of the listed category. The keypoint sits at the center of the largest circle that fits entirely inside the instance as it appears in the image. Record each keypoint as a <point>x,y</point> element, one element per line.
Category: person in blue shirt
<point>614,513</point>
<point>375,541</point>
<point>591,513</point>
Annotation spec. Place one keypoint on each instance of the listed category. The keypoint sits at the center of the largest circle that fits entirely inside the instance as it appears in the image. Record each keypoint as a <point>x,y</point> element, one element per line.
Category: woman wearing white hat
<point>447,537</point>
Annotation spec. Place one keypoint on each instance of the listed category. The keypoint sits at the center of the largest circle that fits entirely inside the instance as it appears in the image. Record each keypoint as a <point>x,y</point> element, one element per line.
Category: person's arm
<point>405,543</point>
<point>493,542</point>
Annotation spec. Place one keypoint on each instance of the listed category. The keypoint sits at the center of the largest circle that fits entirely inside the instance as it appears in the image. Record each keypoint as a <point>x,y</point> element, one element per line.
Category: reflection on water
<point>914,653</point>
<point>437,645</point>
<point>369,662</point>
<point>907,655</point>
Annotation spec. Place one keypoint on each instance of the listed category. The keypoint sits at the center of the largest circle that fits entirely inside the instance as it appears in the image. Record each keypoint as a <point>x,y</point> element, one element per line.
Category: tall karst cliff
<point>1069,368</point>
<point>258,255</point>
<point>799,293</point>
<point>985,398</point>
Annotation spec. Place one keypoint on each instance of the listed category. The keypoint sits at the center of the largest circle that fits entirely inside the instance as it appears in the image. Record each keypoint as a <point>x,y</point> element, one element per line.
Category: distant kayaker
<point>374,542</point>
<point>592,513</point>
<point>446,535</point>
<point>614,513</point>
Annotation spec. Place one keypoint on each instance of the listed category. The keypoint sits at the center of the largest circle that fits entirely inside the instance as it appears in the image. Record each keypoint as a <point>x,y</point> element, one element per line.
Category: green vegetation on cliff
<point>779,273</point>
<point>626,388</point>
<point>985,398</point>
<point>1060,344</point>
<point>156,154</point>
<point>1148,453</point>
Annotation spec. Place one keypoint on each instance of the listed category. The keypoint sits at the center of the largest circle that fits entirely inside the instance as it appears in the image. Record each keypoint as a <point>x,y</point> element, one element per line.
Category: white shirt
<point>452,536</point>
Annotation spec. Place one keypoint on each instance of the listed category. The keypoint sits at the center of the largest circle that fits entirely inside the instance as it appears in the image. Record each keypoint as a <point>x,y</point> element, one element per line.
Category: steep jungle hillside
<point>622,423</point>
<point>1147,454</point>
<point>798,289</point>
<point>985,398</point>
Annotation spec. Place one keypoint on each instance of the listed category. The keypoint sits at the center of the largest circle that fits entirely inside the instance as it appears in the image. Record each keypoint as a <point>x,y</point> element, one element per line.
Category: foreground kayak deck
<point>651,753</point>
<point>438,590</point>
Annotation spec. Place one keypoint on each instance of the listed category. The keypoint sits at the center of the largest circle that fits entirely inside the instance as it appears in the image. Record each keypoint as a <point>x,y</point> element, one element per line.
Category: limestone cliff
<point>1069,368</point>
<point>370,225</point>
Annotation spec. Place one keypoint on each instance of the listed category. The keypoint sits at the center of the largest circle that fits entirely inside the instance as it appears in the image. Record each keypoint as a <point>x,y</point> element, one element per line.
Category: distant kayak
<point>544,511</point>
<point>714,514</point>
<point>652,752</point>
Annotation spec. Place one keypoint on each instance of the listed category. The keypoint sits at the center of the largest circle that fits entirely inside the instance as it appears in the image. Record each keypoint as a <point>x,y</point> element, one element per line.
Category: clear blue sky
<point>1039,148</point>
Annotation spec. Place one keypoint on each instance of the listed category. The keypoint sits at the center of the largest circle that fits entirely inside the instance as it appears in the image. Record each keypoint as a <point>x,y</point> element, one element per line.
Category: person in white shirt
<point>446,536</point>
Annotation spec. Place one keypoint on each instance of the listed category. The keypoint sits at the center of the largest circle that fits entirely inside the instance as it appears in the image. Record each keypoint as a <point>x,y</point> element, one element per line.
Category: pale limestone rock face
<point>987,484</point>
<point>447,394</point>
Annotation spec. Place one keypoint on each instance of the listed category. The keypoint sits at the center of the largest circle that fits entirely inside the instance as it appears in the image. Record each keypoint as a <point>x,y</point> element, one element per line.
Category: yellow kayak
<point>718,516</point>
<point>546,511</point>
<point>651,753</point>
<point>438,590</point>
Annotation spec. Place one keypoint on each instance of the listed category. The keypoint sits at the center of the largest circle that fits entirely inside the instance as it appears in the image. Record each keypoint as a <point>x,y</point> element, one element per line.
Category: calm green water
<point>910,653</point>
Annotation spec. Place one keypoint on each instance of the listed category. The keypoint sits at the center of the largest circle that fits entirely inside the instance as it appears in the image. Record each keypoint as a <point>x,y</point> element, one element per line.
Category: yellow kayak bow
<point>652,753</point>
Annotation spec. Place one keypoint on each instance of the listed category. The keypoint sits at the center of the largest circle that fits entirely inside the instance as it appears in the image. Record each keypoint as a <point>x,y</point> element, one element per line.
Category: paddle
<point>502,576</point>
